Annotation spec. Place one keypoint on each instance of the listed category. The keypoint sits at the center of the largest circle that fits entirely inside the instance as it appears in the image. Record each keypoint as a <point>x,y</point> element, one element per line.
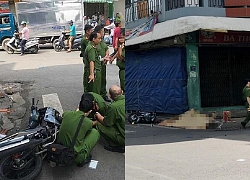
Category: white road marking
<point>129,131</point>
<point>52,100</point>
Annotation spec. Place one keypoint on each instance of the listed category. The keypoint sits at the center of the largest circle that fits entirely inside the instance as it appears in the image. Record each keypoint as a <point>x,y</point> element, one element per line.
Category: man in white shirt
<point>112,28</point>
<point>25,36</point>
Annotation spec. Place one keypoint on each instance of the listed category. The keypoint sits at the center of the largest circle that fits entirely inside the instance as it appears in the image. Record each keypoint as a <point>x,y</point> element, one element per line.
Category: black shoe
<point>86,161</point>
<point>243,125</point>
<point>106,99</point>
<point>118,149</point>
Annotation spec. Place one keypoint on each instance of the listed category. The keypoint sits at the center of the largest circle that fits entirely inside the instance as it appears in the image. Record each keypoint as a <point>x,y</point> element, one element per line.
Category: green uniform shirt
<point>68,128</point>
<point>121,63</point>
<point>115,115</point>
<point>246,93</point>
<point>102,48</point>
<point>91,54</point>
<point>84,44</point>
<point>101,103</point>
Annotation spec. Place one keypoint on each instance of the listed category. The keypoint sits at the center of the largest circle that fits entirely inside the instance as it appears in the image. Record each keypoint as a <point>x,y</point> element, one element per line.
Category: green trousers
<point>111,135</point>
<point>103,81</point>
<point>89,143</point>
<point>247,119</point>
<point>92,86</point>
<point>122,79</point>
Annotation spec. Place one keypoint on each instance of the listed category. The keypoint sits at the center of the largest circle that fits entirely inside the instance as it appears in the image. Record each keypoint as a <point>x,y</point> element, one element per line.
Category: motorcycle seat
<point>78,37</point>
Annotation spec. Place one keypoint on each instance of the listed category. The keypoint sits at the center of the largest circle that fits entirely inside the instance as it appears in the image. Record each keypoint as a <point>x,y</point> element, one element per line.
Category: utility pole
<point>82,12</point>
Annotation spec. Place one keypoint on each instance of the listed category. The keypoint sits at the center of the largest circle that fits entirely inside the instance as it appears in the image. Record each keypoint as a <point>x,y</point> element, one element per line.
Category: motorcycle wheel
<point>133,118</point>
<point>9,50</point>
<point>54,42</point>
<point>27,169</point>
<point>34,50</point>
<point>58,48</point>
<point>4,43</point>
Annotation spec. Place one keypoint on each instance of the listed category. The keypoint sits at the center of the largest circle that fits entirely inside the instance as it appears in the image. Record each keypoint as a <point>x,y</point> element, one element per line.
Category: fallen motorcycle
<point>21,154</point>
<point>142,117</point>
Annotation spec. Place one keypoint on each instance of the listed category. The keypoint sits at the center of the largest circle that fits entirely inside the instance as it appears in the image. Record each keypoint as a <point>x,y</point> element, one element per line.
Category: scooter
<point>31,46</point>
<point>62,43</point>
<point>21,153</point>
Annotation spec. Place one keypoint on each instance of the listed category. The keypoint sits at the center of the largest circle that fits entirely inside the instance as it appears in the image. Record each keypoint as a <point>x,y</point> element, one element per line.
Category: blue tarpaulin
<point>156,80</point>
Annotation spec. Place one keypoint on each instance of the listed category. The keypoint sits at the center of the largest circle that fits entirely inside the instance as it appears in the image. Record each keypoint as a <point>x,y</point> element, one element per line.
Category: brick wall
<point>237,8</point>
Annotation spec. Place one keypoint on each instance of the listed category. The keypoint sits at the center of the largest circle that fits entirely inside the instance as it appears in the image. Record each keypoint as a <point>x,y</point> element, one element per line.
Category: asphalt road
<point>161,153</point>
<point>51,72</point>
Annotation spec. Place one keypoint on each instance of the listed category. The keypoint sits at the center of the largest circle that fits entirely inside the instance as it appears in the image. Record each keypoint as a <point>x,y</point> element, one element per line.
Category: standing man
<point>112,125</point>
<point>88,29</point>
<point>102,21</point>
<point>92,68</point>
<point>116,36</point>
<point>246,96</point>
<point>25,36</point>
<point>87,136</point>
<point>72,35</point>
<point>111,27</point>
<point>121,60</point>
<point>85,41</point>
<point>118,17</point>
<point>103,52</point>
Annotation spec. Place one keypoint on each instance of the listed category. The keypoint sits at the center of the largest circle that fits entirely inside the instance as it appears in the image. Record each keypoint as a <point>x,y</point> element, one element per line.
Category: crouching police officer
<point>87,136</point>
<point>112,125</point>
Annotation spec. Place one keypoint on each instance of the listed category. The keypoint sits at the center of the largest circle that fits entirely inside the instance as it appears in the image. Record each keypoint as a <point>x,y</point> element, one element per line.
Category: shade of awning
<point>188,24</point>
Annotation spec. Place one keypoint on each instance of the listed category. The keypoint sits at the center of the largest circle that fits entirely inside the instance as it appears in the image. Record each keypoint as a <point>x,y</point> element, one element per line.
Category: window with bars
<point>138,9</point>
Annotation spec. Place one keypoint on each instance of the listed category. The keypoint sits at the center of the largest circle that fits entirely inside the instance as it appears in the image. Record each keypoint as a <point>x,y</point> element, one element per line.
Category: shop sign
<point>4,7</point>
<point>223,38</point>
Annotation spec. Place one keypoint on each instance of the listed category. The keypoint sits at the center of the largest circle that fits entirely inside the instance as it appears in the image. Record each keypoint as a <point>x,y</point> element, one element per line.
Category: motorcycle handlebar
<point>33,101</point>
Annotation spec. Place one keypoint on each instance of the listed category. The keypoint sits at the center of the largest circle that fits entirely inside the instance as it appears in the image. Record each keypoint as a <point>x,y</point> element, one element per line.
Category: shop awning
<point>189,24</point>
<point>98,1</point>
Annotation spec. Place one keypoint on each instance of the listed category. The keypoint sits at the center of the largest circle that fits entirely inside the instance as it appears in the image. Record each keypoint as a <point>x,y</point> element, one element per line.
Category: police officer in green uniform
<point>85,39</point>
<point>87,137</point>
<point>99,104</point>
<point>103,52</point>
<point>112,125</point>
<point>246,96</point>
<point>92,68</point>
<point>84,43</point>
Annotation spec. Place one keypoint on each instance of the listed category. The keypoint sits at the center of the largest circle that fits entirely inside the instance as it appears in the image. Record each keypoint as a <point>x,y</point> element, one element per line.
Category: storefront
<point>224,64</point>
<point>209,76</point>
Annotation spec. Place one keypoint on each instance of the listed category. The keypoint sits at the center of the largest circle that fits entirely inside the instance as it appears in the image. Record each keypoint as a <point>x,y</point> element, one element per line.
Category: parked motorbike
<point>13,45</point>
<point>62,43</point>
<point>21,154</point>
<point>142,117</point>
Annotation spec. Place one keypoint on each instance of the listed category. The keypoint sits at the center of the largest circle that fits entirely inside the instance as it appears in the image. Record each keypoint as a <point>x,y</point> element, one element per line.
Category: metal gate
<point>223,71</point>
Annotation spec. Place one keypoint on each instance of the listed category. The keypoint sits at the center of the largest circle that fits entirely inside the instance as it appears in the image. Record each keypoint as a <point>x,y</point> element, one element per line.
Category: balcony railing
<point>141,9</point>
<point>174,4</point>
<point>216,3</point>
<point>137,9</point>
